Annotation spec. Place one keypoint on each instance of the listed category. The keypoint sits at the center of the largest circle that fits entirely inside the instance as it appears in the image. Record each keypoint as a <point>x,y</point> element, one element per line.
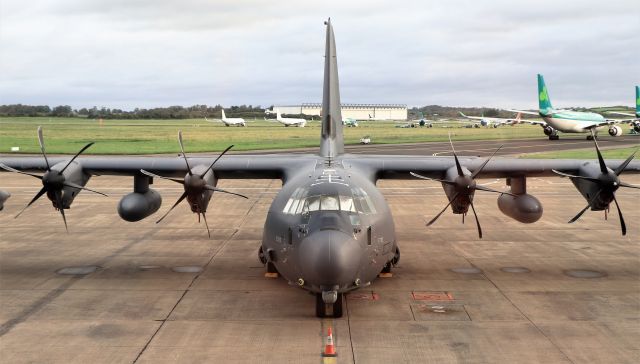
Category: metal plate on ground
<point>79,270</point>
<point>187,269</point>
<point>445,312</point>
<point>467,270</point>
<point>584,273</point>
<point>432,296</point>
<point>515,270</point>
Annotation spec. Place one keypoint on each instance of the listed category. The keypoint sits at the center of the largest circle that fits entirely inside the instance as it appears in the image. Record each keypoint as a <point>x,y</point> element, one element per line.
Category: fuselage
<point>573,121</point>
<point>329,229</point>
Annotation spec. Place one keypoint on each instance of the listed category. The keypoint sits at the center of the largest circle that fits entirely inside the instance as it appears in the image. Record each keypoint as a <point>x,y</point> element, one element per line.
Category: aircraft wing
<point>398,167</point>
<point>271,166</point>
<point>524,112</point>
<point>619,113</point>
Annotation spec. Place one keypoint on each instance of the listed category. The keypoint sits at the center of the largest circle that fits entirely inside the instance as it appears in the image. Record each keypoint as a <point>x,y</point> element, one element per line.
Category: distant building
<point>355,111</point>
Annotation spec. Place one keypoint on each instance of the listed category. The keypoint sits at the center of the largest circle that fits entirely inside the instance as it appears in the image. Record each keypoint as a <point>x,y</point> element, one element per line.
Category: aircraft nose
<point>329,258</point>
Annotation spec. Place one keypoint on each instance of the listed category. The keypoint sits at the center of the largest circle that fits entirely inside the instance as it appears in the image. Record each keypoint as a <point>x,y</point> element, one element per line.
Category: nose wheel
<point>329,309</point>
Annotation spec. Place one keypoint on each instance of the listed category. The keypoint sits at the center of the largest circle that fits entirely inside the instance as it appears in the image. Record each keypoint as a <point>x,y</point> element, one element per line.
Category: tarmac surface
<point>110,291</point>
<point>484,147</point>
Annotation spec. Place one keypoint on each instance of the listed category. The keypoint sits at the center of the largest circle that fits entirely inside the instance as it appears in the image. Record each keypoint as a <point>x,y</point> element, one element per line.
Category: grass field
<point>68,135</point>
<point>619,153</point>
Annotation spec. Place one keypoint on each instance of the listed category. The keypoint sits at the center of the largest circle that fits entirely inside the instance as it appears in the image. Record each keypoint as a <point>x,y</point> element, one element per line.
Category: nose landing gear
<point>325,307</point>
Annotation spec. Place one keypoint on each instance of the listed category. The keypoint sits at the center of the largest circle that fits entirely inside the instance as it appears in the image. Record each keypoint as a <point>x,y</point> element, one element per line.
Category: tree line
<point>171,112</point>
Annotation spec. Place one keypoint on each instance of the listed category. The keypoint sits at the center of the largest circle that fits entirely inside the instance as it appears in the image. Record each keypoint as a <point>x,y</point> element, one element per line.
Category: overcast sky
<point>128,53</point>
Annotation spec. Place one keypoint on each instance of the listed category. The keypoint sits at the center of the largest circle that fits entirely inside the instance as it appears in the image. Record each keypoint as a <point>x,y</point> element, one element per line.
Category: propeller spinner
<point>194,185</point>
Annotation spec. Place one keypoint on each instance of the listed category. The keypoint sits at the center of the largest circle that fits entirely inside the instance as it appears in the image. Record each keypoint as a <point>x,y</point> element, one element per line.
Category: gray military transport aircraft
<point>329,230</point>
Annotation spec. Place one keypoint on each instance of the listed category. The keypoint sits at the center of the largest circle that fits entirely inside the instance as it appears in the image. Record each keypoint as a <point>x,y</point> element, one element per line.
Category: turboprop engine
<point>61,182</point>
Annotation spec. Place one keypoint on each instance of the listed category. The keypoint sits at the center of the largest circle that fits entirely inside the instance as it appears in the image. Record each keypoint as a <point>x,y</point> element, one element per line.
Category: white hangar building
<point>355,111</point>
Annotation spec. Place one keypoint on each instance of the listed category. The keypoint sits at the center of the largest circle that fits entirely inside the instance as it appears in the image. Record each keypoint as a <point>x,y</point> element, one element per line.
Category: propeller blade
<point>477,221</point>
<point>7,168</point>
<point>485,162</point>
<point>458,166</point>
<point>184,195</point>
<point>579,214</point>
<point>623,226</point>
<point>487,189</point>
<point>585,209</point>
<point>204,217</point>
<point>177,180</point>
<point>214,162</point>
<point>182,149</point>
<point>603,165</point>
<point>41,141</point>
<point>432,179</point>
<point>594,180</point>
<point>624,184</point>
<point>71,184</point>
<point>216,189</point>
<point>37,196</point>
<point>624,164</point>
<point>76,156</point>
<point>443,210</point>
<point>58,194</point>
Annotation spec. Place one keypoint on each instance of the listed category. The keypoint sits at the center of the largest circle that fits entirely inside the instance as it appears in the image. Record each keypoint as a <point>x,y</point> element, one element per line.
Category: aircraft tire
<point>337,306</point>
<point>321,307</point>
<point>554,137</point>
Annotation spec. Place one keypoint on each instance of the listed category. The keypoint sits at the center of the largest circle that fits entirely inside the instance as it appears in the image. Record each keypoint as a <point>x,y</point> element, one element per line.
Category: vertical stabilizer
<point>544,103</point>
<point>331,140</point>
<point>638,101</point>
<point>223,115</point>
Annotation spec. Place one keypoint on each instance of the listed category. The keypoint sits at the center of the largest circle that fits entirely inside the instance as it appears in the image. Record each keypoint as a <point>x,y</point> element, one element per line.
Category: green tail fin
<point>544,103</point>
<point>638,101</point>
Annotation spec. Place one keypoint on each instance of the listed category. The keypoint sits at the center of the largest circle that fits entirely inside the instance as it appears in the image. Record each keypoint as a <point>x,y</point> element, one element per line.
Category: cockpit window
<point>299,203</point>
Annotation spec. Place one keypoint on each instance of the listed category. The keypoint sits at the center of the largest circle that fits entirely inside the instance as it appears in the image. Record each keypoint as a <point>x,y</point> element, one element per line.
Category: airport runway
<point>484,147</point>
<point>118,292</point>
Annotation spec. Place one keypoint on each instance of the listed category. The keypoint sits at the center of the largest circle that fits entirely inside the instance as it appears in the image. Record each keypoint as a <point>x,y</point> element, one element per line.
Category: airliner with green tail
<point>568,121</point>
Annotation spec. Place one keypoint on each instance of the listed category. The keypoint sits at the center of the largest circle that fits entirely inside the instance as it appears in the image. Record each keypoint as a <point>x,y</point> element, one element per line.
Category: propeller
<point>53,181</point>
<point>464,186</point>
<point>608,183</point>
<point>194,184</point>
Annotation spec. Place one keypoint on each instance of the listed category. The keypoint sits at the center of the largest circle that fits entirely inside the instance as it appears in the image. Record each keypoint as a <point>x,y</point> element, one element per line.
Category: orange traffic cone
<point>329,348</point>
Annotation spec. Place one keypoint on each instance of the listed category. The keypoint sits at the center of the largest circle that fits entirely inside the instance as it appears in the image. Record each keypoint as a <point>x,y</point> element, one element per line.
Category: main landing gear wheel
<point>261,256</point>
<point>591,137</point>
<point>554,137</point>
<point>393,262</point>
<point>329,309</point>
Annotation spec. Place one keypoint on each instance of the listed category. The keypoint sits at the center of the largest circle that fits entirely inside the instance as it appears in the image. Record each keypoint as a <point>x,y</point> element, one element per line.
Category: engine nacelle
<point>136,205</point>
<point>615,131</point>
<point>524,208</point>
<point>547,130</point>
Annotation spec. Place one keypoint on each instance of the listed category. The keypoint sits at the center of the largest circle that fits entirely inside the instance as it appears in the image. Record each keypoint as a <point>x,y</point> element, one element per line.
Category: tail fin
<point>331,140</point>
<point>638,101</point>
<point>223,115</point>
<point>544,103</point>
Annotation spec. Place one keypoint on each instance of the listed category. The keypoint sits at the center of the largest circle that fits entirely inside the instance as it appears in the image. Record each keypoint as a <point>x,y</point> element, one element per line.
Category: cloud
<point>124,53</point>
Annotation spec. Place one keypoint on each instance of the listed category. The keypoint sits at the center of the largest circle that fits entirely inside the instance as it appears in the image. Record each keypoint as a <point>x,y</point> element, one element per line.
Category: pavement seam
<point>195,278</point>
<point>353,351</point>
<point>524,315</point>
